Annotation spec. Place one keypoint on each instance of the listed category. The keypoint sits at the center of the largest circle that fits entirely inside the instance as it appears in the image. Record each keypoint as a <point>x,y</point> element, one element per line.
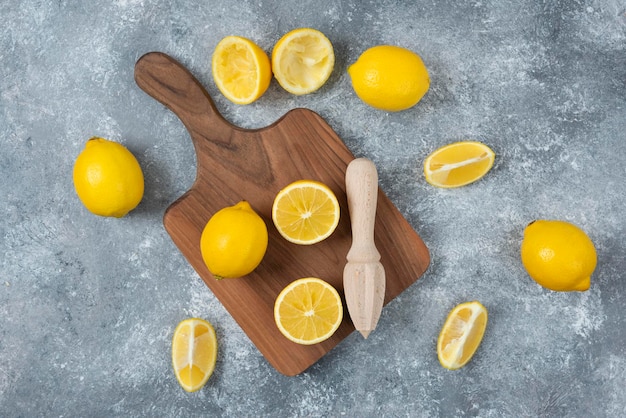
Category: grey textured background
<point>89,304</point>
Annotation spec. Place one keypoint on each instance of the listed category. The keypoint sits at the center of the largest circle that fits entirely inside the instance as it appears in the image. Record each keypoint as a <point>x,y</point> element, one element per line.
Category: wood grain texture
<point>235,164</point>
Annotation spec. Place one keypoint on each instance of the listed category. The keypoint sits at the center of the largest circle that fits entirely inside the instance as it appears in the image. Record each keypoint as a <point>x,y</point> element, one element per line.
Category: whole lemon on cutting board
<point>234,241</point>
<point>389,78</point>
<point>107,178</point>
<point>558,255</point>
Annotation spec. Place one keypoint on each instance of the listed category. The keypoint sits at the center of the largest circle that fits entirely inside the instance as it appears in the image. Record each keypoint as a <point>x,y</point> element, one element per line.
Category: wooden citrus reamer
<point>363,275</point>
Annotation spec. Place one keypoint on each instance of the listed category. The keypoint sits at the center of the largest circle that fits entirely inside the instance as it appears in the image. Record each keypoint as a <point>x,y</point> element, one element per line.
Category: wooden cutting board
<point>235,164</point>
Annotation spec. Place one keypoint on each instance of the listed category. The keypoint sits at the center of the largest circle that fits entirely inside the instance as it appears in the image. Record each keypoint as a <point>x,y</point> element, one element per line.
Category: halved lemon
<point>458,164</point>
<point>302,60</point>
<point>308,311</point>
<point>305,212</point>
<point>194,353</point>
<point>461,334</point>
<point>241,69</point>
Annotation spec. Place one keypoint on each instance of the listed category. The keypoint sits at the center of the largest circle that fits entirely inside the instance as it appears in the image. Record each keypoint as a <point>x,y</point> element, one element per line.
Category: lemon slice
<point>194,352</point>
<point>458,164</point>
<point>308,311</point>
<point>461,334</point>
<point>241,69</point>
<point>302,60</point>
<point>305,212</point>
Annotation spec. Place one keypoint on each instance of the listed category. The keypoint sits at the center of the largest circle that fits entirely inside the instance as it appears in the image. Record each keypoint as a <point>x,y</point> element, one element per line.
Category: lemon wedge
<point>194,353</point>
<point>461,334</point>
<point>458,164</point>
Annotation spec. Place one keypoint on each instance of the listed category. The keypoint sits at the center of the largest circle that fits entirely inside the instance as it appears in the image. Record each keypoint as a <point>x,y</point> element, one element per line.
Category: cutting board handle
<point>169,82</point>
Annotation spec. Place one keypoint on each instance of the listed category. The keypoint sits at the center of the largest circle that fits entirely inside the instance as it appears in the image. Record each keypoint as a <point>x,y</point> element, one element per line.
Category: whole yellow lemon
<point>234,241</point>
<point>389,78</point>
<point>558,255</point>
<point>108,178</point>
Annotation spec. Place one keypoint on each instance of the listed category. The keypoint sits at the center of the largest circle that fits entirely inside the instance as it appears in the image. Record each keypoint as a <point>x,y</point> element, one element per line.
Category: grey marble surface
<point>89,304</point>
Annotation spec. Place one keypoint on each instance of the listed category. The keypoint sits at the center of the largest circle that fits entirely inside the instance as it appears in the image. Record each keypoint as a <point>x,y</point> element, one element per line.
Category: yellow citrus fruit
<point>461,334</point>
<point>234,241</point>
<point>389,78</point>
<point>108,178</point>
<point>558,255</point>
<point>458,164</point>
<point>302,60</point>
<point>305,212</point>
<point>194,352</point>
<point>308,311</point>
<point>241,69</point>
